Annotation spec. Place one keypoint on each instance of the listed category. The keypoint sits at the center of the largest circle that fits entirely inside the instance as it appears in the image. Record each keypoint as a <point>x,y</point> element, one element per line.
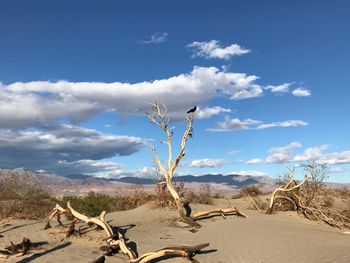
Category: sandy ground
<point>285,237</point>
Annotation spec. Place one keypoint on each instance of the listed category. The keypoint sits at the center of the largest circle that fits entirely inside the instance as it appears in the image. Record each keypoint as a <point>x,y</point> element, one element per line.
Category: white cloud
<point>282,154</point>
<point>213,49</point>
<point>301,92</point>
<point>318,154</point>
<point>335,158</point>
<point>336,170</point>
<point>250,172</point>
<point>208,112</point>
<point>232,152</point>
<point>311,153</point>
<point>254,161</point>
<point>85,167</point>
<point>44,102</point>
<point>156,38</point>
<point>236,124</point>
<point>207,163</point>
<point>253,92</point>
<point>290,123</point>
<point>64,149</point>
<point>283,88</point>
<point>143,172</point>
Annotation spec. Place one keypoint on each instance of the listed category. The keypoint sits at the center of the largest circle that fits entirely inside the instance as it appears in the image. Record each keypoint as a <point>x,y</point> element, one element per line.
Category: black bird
<point>192,110</point>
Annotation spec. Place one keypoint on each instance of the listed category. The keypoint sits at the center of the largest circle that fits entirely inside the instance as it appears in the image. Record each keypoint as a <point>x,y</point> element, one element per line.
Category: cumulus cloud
<point>156,38</point>
<point>85,167</point>
<point>43,102</point>
<point>283,88</point>
<point>311,153</point>
<point>301,92</point>
<point>290,123</point>
<point>282,154</point>
<point>318,154</point>
<point>248,124</point>
<point>213,49</point>
<point>254,161</point>
<point>143,172</point>
<point>64,149</point>
<point>250,173</point>
<point>208,112</point>
<point>207,163</point>
<point>336,170</point>
<point>336,158</point>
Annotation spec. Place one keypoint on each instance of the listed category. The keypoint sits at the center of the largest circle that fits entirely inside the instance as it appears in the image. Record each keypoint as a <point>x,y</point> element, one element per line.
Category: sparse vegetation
<point>22,195</point>
<point>203,196</point>
<point>309,197</point>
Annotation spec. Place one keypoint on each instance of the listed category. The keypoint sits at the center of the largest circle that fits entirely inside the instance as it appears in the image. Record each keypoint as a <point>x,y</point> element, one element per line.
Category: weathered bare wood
<point>284,189</point>
<point>158,117</point>
<point>294,193</point>
<point>221,212</point>
<point>182,251</point>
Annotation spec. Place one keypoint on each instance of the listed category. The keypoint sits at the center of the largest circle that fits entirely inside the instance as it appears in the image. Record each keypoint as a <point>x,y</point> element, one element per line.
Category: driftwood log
<point>116,241</point>
<point>183,251</point>
<point>158,116</point>
<point>292,197</point>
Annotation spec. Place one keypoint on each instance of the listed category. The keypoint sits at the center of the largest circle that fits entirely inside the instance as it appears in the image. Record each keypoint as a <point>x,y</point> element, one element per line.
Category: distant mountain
<point>229,180</point>
<point>76,184</point>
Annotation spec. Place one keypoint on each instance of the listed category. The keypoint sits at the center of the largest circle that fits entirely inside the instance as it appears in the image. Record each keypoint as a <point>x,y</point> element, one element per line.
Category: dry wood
<point>294,194</point>
<point>158,116</point>
<point>115,241</point>
<point>221,212</point>
<point>19,249</point>
<point>182,251</point>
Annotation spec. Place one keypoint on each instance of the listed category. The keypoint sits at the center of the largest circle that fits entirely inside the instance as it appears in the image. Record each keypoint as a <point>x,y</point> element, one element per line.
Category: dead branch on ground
<point>294,195</point>
<point>19,249</point>
<point>115,241</point>
<point>183,251</point>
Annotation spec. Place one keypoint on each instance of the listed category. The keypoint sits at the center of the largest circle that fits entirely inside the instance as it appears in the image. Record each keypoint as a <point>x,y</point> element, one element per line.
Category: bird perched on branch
<point>192,110</point>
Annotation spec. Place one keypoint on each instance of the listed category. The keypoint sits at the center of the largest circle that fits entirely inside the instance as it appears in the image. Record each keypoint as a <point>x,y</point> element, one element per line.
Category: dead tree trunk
<point>159,118</point>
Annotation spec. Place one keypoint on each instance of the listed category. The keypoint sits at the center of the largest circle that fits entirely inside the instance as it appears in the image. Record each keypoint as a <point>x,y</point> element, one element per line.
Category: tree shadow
<point>216,215</point>
<point>37,255</point>
<point>123,230</point>
<point>19,226</point>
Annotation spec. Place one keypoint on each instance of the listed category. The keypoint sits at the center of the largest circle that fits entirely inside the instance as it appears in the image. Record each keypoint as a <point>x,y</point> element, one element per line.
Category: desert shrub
<point>22,195</point>
<point>258,203</point>
<point>327,201</point>
<point>343,193</point>
<point>252,190</point>
<point>162,196</point>
<point>137,198</point>
<point>203,196</point>
<point>93,204</point>
<point>317,174</point>
<point>218,196</point>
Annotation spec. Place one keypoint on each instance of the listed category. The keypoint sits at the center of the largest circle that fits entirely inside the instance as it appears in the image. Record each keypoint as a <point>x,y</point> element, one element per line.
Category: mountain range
<point>80,183</point>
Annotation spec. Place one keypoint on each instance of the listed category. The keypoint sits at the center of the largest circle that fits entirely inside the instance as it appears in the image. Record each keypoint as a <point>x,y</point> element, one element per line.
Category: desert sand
<point>283,237</point>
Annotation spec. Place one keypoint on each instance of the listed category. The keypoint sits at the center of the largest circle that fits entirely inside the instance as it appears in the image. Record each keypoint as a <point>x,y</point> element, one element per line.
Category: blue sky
<point>76,77</point>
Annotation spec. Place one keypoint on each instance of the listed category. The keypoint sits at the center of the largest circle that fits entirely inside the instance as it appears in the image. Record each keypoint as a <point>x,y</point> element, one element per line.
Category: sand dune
<point>284,237</point>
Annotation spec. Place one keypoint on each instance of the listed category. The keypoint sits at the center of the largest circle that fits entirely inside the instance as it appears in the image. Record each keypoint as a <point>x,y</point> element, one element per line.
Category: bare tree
<point>158,116</point>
